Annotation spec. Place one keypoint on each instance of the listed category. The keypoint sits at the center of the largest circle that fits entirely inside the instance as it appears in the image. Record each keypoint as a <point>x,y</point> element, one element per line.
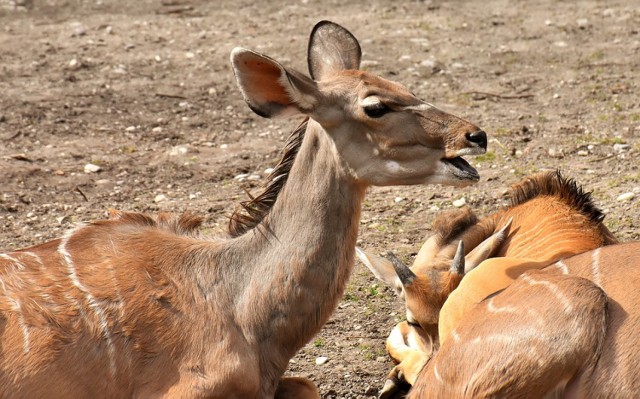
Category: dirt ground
<point>144,91</point>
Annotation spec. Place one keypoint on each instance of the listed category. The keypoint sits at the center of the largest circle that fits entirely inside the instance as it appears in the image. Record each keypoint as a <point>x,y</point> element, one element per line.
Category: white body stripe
<point>595,267</point>
<point>562,267</point>
<point>553,289</point>
<point>91,300</point>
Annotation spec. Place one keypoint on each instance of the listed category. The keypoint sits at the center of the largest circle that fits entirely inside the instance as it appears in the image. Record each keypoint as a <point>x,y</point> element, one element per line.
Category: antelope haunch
<point>143,306</point>
<point>549,218</point>
<point>568,331</point>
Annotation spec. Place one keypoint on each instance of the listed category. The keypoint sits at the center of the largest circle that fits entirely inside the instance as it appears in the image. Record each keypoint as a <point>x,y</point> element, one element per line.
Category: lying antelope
<point>570,331</point>
<point>142,306</point>
<point>550,218</point>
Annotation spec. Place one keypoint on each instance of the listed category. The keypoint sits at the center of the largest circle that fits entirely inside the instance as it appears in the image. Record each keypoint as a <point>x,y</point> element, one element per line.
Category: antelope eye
<point>376,110</point>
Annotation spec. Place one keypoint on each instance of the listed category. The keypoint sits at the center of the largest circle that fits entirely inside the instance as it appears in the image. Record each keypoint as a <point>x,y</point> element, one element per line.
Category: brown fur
<point>145,306</point>
<point>545,209</point>
<point>578,340</point>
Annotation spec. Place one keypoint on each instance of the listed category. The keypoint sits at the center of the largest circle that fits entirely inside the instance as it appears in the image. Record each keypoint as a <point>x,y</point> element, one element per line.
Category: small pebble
<point>398,199</point>
<point>321,360</point>
<point>583,153</point>
<point>626,196</point>
<point>159,198</point>
<point>459,202</point>
<point>91,168</point>
<point>241,176</point>
<point>621,147</point>
<point>583,23</point>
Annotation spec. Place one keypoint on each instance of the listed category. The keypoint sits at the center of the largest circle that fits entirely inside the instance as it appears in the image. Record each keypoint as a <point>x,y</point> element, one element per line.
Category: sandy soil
<point>144,91</point>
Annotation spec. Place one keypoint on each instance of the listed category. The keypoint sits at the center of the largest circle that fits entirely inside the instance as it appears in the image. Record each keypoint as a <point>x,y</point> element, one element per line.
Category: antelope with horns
<point>549,218</point>
<point>142,306</point>
<point>567,331</point>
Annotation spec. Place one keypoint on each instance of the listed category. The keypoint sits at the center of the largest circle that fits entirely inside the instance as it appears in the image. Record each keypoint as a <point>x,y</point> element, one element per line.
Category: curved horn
<point>457,266</point>
<point>405,274</point>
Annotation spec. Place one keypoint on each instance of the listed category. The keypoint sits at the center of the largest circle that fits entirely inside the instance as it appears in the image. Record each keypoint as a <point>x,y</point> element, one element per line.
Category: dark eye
<point>376,110</point>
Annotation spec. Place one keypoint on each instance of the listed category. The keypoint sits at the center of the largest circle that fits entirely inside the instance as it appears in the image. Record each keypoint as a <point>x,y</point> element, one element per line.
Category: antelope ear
<point>270,89</point>
<point>487,248</point>
<point>331,48</point>
<point>381,268</point>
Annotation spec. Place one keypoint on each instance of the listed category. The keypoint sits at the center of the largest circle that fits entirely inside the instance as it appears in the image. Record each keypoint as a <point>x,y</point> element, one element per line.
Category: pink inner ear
<point>262,82</point>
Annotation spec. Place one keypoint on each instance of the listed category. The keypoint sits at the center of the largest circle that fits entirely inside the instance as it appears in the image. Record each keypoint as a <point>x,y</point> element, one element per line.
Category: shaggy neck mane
<point>254,210</point>
<point>463,224</point>
<point>555,185</point>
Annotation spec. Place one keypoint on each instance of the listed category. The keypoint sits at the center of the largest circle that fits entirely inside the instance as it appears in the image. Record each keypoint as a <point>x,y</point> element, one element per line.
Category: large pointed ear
<point>487,248</point>
<point>270,89</point>
<point>381,268</point>
<point>332,48</point>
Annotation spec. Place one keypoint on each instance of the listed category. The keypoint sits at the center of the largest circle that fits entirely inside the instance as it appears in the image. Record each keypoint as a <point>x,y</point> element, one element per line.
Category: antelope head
<point>383,134</point>
<point>437,270</point>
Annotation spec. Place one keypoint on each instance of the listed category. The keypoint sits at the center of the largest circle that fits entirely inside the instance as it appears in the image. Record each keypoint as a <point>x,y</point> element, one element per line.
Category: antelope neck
<point>300,256</point>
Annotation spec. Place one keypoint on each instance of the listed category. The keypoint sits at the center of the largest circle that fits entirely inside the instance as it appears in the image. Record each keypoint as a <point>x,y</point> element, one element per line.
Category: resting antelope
<point>550,218</point>
<point>569,330</point>
<point>146,306</point>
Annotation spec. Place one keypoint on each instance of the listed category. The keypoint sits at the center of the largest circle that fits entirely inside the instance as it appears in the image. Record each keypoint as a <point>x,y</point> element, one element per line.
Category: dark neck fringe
<point>555,185</point>
<point>254,210</point>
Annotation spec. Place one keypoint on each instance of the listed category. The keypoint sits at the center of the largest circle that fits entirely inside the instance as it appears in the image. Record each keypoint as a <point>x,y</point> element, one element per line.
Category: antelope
<point>569,330</point>
<point>549,218</point>
<point>147,306</point>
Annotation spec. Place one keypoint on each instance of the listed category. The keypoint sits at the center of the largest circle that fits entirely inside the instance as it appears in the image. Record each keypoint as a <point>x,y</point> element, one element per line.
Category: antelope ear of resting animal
<point>410,282</point>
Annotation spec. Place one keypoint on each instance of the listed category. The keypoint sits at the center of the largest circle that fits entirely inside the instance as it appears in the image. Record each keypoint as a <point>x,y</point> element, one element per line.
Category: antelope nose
<point>479,138</point>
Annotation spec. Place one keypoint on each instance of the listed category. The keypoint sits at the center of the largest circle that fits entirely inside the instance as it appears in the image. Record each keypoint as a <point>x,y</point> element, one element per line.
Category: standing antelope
<point>550,218</point>
<point>142,306</point>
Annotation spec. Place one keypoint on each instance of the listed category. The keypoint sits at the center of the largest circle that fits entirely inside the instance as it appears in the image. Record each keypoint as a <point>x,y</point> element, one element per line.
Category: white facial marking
<point>376,152</point>
<point>420,107</point>
<point>595,267</point>
<point>91,300</point>
<point>369,101</point>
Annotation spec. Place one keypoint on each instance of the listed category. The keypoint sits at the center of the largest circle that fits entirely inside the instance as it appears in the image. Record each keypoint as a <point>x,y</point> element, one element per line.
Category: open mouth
<point>461,168</point>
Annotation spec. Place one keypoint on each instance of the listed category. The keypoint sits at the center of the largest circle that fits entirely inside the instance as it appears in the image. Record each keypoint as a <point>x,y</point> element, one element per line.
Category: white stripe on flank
<point>500,309</point>
<point>562,267</point>
<point>455,336</point>
<point>437,374</point>
<point>553,289</point>
<point>595,267</point>
<point>91,300</point>
<point>15,306</point>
